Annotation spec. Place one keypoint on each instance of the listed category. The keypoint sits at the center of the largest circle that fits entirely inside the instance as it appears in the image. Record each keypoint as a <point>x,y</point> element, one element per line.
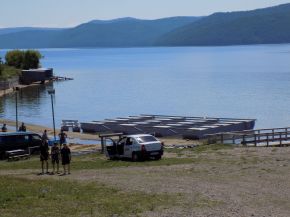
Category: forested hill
<point>124,32</point>
<point>263,26</point>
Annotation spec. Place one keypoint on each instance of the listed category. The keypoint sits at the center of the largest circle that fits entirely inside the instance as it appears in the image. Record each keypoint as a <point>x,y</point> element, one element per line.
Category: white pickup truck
<point>136,147</point>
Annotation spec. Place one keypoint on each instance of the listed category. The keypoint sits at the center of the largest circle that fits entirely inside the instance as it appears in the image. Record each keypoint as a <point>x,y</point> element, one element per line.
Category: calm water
<point>238,81</point>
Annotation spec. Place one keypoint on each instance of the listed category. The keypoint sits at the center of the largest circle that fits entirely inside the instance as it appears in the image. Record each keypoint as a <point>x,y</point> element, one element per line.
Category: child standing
<point>55,157</point>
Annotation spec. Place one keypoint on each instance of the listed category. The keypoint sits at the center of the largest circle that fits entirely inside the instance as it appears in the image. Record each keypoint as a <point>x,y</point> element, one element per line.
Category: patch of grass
<point>204,202</point>
<point>95,161</point>
<point>212,148</point>
<point>202,149</point>
<point>8,72</point>
<point>26,198</point>
<point>178,151</point>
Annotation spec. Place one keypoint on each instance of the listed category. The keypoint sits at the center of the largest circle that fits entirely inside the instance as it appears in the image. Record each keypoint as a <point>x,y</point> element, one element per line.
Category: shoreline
<point>21,86</point>
<point>39,129</point>
<point>85,136</point>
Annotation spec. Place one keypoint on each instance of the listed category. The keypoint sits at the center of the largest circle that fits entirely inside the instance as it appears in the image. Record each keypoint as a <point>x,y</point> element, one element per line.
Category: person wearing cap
<point>65,158</point>
<point>55,158</point>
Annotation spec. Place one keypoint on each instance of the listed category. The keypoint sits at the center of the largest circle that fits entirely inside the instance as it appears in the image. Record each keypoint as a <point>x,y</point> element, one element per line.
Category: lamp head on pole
<point>51,92</point>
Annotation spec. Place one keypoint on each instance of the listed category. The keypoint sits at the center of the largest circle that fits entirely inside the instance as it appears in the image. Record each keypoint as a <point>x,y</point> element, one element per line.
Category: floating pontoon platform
<point>164,125</point>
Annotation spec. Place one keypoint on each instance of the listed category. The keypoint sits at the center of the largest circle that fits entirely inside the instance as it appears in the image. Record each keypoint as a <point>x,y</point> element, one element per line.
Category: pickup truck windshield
<point>146,139</point>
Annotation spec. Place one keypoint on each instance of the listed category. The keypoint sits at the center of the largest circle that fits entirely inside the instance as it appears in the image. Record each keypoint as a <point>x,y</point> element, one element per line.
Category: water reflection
<point>1,107</point>
<point>30,100</point>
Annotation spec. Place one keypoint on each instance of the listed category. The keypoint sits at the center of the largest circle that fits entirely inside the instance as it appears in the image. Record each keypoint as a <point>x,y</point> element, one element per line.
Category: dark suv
<point>19,140</point>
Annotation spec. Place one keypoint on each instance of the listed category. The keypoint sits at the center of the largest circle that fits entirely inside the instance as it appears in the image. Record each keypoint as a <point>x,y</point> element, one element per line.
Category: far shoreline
<point>150,47</point>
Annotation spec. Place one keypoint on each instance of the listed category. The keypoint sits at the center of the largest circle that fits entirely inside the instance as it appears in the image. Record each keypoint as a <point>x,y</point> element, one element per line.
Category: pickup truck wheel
<point>134,157</point>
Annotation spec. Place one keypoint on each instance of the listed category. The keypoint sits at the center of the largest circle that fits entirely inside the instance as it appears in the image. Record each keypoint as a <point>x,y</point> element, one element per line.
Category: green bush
<point>29,59</point>
<point>8,72</point>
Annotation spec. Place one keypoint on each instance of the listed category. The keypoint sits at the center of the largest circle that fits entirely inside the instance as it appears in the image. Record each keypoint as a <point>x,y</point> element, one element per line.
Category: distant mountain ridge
<point>21,29</point>
<point>261,26</point>
<point>123,32</point>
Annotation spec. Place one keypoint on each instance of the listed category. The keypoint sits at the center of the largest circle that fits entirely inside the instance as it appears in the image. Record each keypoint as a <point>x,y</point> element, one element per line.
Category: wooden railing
<point>260,137</point>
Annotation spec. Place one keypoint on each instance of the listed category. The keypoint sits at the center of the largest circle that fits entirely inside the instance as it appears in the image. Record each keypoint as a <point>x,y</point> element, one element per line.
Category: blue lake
<point>234,81</point>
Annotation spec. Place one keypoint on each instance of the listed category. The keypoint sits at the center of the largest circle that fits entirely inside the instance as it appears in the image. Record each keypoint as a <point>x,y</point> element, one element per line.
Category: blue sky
<point>67,13</point>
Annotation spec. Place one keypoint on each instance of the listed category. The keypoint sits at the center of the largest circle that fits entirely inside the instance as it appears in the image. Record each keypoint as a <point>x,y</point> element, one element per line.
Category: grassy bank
<point>211,180</point>
<point>99,161</point>
<point>20,197</point>
<point>94,161</point>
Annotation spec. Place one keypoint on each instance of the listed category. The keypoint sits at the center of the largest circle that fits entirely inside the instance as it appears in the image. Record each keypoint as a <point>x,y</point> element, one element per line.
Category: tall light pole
<point>16,89</point>
<point>51,93</point>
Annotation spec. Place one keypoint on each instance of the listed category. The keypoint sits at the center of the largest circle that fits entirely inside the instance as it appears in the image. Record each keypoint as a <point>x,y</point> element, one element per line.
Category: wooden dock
<point>60,78</point>
<point>256,138</point>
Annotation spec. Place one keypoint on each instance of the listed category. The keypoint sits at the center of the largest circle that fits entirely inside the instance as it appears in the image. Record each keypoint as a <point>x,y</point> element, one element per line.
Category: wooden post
<point>255,140</point>
<point>244,142</point>
<point>267,140</point>
<point>103,145</point>
<point>222,138</point>
<point>273,134</point>
<point>280,135</point>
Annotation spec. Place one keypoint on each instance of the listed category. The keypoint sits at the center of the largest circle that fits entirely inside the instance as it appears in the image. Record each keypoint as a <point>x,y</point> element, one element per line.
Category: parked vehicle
<point>19,140</point>
<point>135,147</point>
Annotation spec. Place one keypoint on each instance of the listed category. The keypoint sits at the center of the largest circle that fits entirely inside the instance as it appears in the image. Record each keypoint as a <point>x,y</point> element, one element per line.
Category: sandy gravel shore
<point>39,129</point>
<point>85,136</point>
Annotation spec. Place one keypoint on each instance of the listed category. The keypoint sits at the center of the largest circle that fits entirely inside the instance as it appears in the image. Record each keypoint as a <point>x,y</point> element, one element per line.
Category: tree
<point>31,59</point>
<point>14,58</point>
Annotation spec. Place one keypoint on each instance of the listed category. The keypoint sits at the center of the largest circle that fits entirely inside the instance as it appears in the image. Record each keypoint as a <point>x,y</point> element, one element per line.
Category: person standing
<point>44,137</point>
<point>55,157</point>
<point>62,137</point>
<point>4,128</point>
<point>44,156</point>
<point>66,159</point>
<point>22,128</point>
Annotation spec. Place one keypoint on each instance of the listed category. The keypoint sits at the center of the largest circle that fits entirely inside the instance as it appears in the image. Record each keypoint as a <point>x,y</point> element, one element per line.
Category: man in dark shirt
<point>65,158</point>
<point>22,128</point>
<point>44,156</point>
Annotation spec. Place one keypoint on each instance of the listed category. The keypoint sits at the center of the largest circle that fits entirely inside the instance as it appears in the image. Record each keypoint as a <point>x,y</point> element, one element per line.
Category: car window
<point>36,137</point>
<point>122,142</point>
<point>146,139</point>
<point>20,139</point>
<point>129,141</point>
